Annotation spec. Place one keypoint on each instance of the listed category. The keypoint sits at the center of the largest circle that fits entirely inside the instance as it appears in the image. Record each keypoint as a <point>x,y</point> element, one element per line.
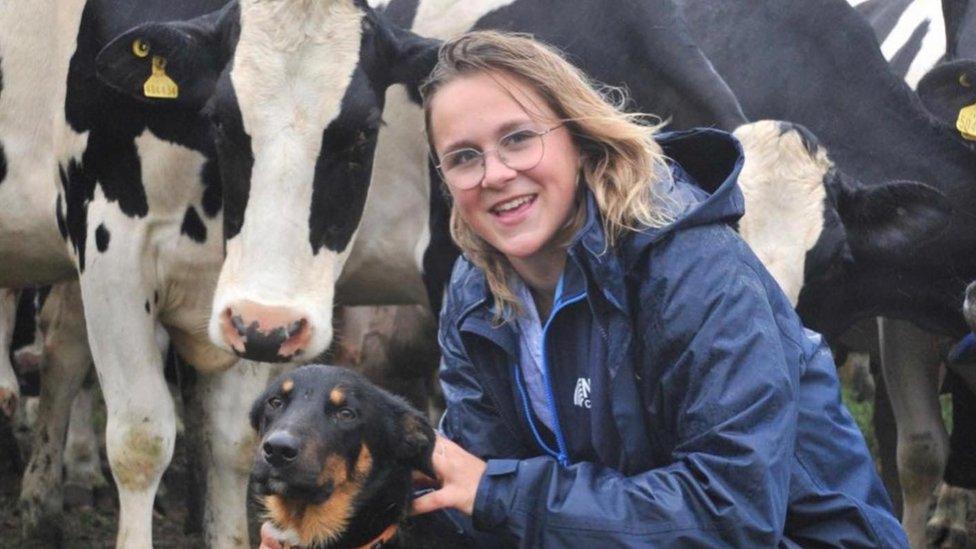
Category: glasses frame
<point>484,156</point>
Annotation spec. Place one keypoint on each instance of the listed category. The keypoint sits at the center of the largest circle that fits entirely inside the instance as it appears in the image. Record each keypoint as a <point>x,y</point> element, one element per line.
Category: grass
<point>863,412</point>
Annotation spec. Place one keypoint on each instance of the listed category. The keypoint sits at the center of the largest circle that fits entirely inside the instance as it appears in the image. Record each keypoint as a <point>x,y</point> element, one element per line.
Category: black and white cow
<point>94,185</point>
<point>880,133</point>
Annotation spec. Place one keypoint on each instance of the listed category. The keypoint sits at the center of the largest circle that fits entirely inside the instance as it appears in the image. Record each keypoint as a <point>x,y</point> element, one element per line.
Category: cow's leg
<point>66,363</point>
<point>119,288</point>
<point>886,433</point>
<point>228,444</point>
<point>82,466</point>
<point>9,388</point>
<point>912,385</point>
<point>957,495</point>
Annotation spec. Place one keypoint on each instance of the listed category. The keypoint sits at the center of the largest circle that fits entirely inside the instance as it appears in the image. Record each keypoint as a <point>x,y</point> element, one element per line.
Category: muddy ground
<point>94,525</point>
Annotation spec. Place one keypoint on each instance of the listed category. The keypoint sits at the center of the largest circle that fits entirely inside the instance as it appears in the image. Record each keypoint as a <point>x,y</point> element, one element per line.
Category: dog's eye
<point>274,402</point>
<point>346,414</point>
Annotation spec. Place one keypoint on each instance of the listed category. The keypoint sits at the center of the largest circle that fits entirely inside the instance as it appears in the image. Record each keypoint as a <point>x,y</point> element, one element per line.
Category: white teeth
<point>512,204</point>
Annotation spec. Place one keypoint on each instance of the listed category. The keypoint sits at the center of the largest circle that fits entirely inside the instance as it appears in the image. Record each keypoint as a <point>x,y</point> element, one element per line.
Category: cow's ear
<point>407,57</point>
<point>891,221</point>
<point>415,445</point>
<point>949,88</point>
<point>175,63</point>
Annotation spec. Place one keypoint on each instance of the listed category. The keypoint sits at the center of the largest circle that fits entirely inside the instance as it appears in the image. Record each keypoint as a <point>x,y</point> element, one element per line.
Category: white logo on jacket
<point>581,395</point>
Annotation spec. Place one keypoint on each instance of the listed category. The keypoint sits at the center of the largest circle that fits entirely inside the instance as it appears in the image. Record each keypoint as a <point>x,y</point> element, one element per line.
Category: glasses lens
<point>521,150</point>
<point>463,169</point>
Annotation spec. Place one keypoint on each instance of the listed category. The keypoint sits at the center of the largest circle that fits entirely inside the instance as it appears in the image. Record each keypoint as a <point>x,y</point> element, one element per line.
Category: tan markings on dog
<point>337,397</point>
<point>287,386</point>
<point>335,469</point>
<point>325,522</point>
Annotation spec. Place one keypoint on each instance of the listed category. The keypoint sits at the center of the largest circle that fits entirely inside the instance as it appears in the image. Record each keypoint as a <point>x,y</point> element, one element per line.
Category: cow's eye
<point>346,414</point>
<point>275,402</point>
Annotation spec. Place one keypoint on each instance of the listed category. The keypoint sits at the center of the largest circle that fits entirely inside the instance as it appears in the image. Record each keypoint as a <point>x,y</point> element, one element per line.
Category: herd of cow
<point>234,171</point>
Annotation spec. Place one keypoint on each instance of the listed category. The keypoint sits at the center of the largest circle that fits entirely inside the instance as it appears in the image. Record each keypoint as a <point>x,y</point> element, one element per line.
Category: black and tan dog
<point>335,459</point>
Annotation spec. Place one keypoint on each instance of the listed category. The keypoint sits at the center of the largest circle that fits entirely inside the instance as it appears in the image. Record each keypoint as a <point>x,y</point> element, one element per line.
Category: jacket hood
<point>705,166</point>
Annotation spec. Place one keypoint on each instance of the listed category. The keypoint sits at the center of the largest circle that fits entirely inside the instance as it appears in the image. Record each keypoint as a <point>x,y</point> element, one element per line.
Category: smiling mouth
<point>514,205</point>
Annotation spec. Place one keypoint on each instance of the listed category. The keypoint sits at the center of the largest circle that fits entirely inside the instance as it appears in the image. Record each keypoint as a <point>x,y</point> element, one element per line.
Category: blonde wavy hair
<point>621,163</point>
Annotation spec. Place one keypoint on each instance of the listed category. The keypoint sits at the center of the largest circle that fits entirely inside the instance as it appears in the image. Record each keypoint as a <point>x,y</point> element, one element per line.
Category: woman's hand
<point>459,474</point>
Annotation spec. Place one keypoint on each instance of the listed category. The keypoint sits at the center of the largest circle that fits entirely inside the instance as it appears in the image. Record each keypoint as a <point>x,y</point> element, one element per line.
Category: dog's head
<point>336,455</point>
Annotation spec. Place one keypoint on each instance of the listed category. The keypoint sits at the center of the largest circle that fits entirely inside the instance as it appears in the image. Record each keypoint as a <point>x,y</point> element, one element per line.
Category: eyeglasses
<point>520,150</point>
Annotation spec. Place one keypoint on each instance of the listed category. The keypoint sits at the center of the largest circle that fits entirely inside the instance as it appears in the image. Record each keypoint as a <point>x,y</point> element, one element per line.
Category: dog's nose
<point>281,448</point>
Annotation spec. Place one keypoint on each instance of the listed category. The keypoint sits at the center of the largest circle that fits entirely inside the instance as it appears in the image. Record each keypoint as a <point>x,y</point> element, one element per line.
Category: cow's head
<point>295,91</point>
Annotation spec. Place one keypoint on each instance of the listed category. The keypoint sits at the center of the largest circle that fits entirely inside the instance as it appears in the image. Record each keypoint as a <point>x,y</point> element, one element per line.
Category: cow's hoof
<point>947,527</point>
<point>41,525</point>
<point>77,496</point>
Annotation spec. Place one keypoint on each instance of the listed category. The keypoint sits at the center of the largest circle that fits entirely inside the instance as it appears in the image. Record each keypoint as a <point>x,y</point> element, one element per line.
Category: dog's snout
<point>281,448</point>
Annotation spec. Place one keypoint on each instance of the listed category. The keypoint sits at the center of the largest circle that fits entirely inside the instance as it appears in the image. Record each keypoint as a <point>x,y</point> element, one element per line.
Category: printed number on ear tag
<point>160,85</point>
<point>966,123</point>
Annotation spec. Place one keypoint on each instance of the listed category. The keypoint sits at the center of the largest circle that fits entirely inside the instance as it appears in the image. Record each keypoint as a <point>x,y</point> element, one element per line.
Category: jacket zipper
<point>562,455</point>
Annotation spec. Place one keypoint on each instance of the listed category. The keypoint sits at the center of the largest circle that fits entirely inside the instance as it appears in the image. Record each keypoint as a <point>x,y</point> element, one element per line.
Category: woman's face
<point>520,213</point>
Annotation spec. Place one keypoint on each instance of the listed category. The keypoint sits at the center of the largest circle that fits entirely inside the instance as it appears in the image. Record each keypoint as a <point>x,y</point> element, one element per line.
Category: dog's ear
<point>416,443</point>
<point>257,411</point>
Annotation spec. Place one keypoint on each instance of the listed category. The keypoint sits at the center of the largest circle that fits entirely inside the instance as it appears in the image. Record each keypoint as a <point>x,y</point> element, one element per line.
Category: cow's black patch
<point>212,199</point>
<point>147,306</point>
<point>236,159</point>
<point>343,167</point>
<point>402,12</point>
<point>883,14</point>
<point>102,237</point>
<point>79,186</point>
<point>3,157</point>
<point>193,226</point>
<point>807,139</point>
<point>3,164</point>
<point>902,61</point>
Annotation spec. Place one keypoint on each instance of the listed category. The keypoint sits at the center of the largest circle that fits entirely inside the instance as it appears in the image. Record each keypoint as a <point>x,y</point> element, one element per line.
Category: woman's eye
<point>346,414</point>
<point>461,158</point>
<point>274,403</point>
<point>517,138</point>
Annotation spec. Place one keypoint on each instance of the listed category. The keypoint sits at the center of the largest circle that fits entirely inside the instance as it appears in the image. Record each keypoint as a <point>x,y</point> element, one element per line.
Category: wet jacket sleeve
<point>727,401</point>
<point>471,419</point>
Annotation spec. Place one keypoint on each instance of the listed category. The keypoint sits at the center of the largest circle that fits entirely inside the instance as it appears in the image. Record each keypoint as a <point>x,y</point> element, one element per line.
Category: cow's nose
<point>280,448</point>
<point>265,333</point>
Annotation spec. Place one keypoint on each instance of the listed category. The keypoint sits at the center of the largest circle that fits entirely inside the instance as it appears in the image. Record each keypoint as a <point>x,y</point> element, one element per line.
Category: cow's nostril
<point>265,333</point>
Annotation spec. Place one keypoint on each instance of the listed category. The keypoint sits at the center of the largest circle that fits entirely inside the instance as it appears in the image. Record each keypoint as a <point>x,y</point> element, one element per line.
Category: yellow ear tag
<point>966,123</point>
<point>159,85</point>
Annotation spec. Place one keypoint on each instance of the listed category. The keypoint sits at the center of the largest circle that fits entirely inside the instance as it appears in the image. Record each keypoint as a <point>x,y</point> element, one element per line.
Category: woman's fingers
<point>421,480</point>
<point>428,503</point>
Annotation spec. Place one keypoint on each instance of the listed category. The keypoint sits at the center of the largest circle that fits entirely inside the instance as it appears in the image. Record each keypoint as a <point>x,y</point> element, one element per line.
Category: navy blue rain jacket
<point>693,408</point>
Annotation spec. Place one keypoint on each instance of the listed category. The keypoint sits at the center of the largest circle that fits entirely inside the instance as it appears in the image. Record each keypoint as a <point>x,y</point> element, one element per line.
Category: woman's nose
<point>496,172</point>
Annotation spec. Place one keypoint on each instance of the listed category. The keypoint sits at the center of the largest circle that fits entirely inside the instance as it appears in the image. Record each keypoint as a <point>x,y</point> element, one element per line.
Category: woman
<point>619,368</point>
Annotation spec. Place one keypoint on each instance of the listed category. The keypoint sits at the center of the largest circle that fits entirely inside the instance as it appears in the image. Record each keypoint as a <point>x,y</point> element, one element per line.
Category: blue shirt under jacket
<point>692,407</point>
